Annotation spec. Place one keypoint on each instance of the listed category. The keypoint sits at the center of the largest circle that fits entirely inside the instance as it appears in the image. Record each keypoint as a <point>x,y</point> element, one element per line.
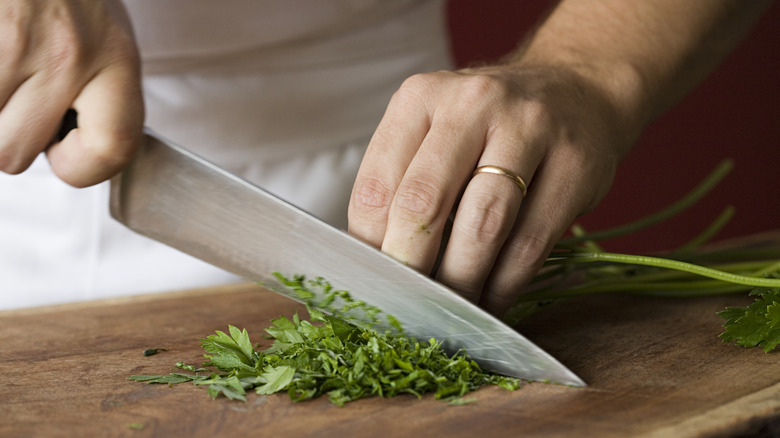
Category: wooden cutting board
<point>655,367</point>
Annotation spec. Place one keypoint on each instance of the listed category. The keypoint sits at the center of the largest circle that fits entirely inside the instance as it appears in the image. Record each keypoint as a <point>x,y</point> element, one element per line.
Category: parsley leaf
<point>756,324</point>
<point>230,351</point>
<point>228,385</point>
<point>277,379</point>
<point>156,378</point>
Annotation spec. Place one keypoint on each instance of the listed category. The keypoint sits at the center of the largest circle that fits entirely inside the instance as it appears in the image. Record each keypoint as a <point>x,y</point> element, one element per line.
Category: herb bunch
<point>579,266</point>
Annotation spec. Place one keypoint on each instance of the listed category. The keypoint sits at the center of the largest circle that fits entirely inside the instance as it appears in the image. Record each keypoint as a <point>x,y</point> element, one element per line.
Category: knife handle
<point>69,123</point>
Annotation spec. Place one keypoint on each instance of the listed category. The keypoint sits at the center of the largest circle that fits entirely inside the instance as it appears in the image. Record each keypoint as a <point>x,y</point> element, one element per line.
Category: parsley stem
<point>675,281</point>
<point>582,257</point>
<point>728,255</point>
<point>677,289</point>
<point>709,232</point>
<point>691,198</point>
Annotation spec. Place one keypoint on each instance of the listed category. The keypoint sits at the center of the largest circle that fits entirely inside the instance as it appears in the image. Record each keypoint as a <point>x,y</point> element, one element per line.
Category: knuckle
<point>418,200</point>
<point>105,153</point>
<point>537,112</point>
<point>577,163</point>
<point>485,223</point>
<point>64,53</point>
<point>504,297</point>
<point>530,249</point>
<point>419,87</point>
<point>112,153</point>
<point>416,82</point>
<point>464,288</point>
<point>11,163</point>
<point>371,199</point>
<point>65,45</point>
<point>413,89</point>
<point>479,97</point>
<point>13,43</point>
<point>479,86</point>
<point>481,93</point>
<point>123,47</point>
<point>71,46</point>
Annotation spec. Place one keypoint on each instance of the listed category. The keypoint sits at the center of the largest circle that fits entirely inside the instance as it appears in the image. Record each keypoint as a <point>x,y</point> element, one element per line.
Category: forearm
<point>646,55</point>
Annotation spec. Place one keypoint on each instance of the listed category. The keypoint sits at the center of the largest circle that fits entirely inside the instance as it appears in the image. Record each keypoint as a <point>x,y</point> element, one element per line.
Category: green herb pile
<point>333,357</point>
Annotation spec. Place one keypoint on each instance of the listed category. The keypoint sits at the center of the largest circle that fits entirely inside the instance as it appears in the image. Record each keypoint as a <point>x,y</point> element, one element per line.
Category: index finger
<point>430,187</point>
<point>391,149</point>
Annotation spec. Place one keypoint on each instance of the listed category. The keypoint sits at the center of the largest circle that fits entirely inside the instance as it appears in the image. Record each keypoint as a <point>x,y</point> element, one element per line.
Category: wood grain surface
<point>655,367</point>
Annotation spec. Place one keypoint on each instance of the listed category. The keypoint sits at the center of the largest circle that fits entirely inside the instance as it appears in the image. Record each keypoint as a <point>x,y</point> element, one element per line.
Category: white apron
<point>284,93</point>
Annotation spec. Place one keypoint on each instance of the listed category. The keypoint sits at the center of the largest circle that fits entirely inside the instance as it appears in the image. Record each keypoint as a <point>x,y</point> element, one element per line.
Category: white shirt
<point>284,93</point>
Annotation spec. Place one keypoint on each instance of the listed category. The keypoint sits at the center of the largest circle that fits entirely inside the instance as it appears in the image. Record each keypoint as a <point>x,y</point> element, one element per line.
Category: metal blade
<point>174,197</point>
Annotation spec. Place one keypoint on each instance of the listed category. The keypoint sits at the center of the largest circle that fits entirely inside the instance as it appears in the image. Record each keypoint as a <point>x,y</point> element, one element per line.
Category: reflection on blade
<point>185,202</point>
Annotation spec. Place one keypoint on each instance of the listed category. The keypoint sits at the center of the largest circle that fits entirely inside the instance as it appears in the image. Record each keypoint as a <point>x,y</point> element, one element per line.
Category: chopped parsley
<point>330,355</point>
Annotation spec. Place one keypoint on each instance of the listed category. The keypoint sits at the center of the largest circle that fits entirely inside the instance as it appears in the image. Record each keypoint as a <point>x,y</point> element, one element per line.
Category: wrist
<point>621,84</point>
<point>616,90</point>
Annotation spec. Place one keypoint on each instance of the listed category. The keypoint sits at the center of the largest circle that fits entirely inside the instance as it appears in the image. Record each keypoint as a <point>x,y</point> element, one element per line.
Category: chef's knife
<point>183,201</point>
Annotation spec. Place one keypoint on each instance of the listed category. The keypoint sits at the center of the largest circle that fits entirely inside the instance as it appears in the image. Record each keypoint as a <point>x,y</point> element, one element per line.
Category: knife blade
<point>175,197</point>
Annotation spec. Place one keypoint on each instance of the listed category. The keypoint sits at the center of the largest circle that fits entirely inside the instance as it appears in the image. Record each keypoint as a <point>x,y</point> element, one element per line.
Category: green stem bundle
<point>684,272</point>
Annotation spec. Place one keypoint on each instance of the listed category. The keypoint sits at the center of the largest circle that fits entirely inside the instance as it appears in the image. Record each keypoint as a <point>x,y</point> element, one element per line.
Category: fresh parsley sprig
<point>756,324</point>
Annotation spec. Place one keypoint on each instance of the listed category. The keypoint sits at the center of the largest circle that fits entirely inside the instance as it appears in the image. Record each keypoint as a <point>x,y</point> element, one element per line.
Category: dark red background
<point>734,114</point>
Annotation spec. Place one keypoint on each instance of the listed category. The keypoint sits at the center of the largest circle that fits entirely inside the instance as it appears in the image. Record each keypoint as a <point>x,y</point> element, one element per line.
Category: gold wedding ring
<point>503,172</point>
